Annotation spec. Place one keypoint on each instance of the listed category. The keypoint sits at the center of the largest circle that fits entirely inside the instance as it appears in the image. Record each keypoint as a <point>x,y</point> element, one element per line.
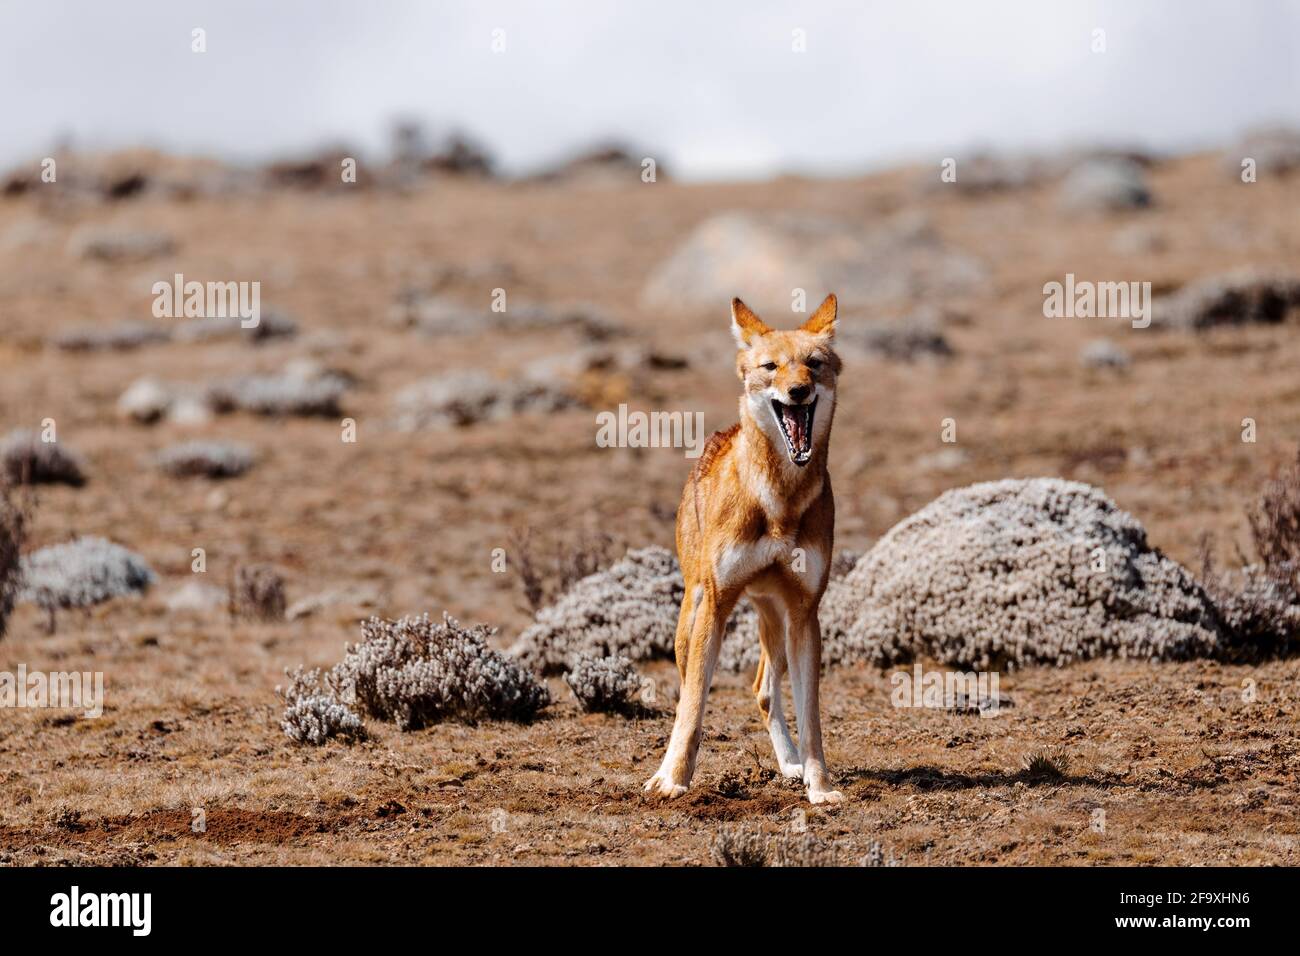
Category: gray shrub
<point>605,684</point>
<point>280,394</point>
<point>313,714</point>
<point>82,573</point>
<point>122,337</point>
<point>206,459</point>
<point>27,460</point>
<point>416,672</point>
<point>1016,572</point>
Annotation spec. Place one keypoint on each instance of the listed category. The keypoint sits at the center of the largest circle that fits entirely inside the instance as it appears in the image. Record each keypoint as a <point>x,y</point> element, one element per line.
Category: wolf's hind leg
<point>767,688</point>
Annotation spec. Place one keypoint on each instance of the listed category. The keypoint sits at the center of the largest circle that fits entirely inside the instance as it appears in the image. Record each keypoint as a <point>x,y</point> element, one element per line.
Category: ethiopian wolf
<point>757,518</point>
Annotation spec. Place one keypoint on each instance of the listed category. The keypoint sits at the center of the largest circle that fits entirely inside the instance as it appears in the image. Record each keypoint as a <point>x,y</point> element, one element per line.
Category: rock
<point>1234,298</point>
<point>270,325</point>
<point>1275,150</point>
<point>1103,353</point>
<point>207,459</point>
<point>1106,185</point>
<point>765,257</point>
<point>915,336</point>
<point>439,315</point>
<point>603,166</point>
<point>117,245</point>
<point>195,596</point>
<point>146,400</point>
<point>446,401</point>
<point>943,460</point>
<point>122,337</point>
<point>358,597</point>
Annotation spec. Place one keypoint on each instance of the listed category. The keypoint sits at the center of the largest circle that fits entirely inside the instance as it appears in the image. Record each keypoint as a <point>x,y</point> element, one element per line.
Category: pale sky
<point>710,89</point>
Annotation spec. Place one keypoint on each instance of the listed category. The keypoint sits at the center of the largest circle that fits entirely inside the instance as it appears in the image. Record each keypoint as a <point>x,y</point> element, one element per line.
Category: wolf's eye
<point>770,366</point>
<point>814,363</point>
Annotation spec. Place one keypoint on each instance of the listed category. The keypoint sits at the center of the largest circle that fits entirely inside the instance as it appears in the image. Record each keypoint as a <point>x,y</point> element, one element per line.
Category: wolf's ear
<point>745,325</point>
<point>822,322</point>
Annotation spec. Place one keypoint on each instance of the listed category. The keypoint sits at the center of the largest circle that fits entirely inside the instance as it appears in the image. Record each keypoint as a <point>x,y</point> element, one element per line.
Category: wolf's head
<point>789,378</point>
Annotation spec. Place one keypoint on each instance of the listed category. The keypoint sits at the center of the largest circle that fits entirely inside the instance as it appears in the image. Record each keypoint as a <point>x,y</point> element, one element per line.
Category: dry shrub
<point>1106,184</point>
<point>1275,523</point>
<point>13,532</point>
<point>1259,603</point>
<point>630,608</point>
<point>739,846</point>
<point>544,573</point>
<point>747,847</point>
<point>605,685</point>
<point>415,672</point>
<point>412,672</point>
<point>313,714</point>
<point>257,593</point>
<point>25,459</point>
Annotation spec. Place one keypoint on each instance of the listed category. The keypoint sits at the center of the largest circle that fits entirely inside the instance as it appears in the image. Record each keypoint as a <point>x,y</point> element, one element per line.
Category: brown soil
<point>1185,770</point>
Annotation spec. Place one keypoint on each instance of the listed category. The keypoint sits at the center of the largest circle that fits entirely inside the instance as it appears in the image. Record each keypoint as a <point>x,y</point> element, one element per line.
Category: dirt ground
<point>1185,767</point>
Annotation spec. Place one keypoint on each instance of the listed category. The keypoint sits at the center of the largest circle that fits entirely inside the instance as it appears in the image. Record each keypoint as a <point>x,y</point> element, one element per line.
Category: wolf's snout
<point>800,392</point>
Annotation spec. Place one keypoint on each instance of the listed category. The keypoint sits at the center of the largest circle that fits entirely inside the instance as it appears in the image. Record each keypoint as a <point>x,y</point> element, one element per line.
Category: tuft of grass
<point>1275,523</point>
<point>739,846</point>
<point>14,519</point>
<point>1045,766</point>
<point>257,593</point>
<point>546,571</point>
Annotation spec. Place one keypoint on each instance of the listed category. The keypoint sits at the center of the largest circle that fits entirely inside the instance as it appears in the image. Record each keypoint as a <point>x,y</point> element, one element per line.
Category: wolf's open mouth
<point>796,423</point>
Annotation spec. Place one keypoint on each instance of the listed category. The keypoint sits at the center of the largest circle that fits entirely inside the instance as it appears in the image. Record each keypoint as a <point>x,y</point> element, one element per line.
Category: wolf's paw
<point>661,785</point>
<point>792,770</point>
<point>825,796</point>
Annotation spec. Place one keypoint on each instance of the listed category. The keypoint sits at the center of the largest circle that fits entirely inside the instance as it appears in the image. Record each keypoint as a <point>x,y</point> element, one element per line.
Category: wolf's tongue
<point>794,423</point>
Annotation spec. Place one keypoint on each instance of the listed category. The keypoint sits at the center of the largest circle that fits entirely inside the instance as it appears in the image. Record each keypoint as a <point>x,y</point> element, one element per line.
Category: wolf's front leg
<point>708,618</point>
<point>804,653</point>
